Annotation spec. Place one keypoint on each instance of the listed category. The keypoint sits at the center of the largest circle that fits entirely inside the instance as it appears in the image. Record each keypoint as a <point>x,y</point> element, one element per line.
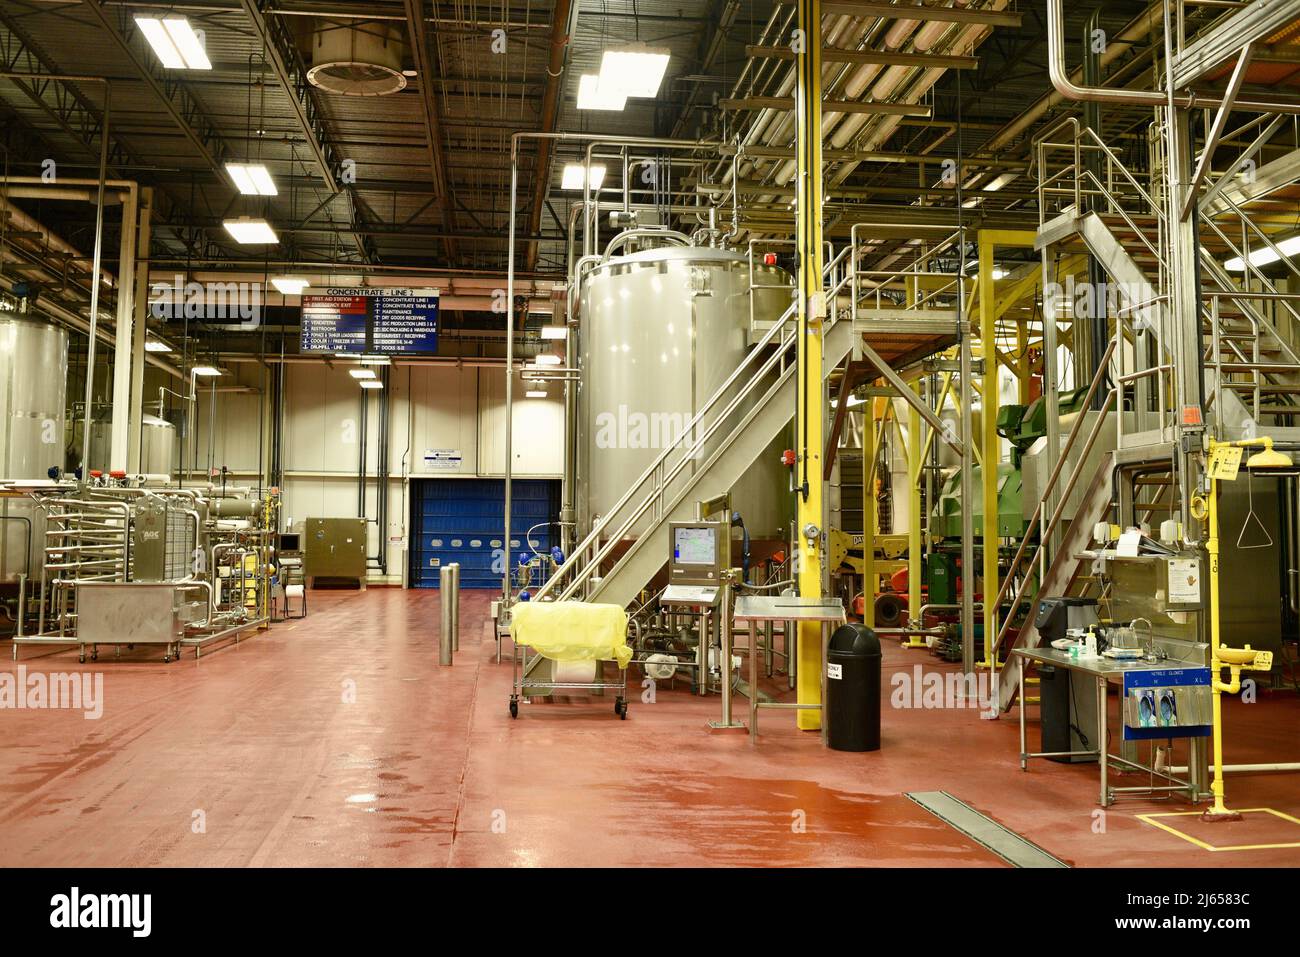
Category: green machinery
<point>1022,426</point>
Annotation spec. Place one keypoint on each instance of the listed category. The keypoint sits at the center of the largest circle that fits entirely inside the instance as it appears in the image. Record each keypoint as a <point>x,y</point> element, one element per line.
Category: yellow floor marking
<point>1150,819</point>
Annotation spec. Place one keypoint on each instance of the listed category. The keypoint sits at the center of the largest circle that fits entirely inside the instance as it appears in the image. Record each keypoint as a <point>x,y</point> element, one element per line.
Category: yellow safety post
<point>809,533</point>
<point>987,240</point>
<point>1220,656</point>
<point>914,518</point>
<point>870,445</point>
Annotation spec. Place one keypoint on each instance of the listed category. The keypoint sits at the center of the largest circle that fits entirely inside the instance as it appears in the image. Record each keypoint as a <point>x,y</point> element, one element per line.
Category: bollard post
<point>455,606</point>
<point>22,605</point>
<point>444,602</point>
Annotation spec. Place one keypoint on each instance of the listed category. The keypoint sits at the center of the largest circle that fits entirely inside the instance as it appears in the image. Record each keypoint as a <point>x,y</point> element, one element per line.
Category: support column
<point>119,449</point>
<point>989,441</point>
<point>914,517</point>
<point>870,450</point>
<point>812,310</point>
<point>141,328</point>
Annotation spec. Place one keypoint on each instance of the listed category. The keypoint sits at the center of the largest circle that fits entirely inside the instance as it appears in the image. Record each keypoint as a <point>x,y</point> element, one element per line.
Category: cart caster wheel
<point>167,659</point>
<point>620,709</point>
<point>95,656</point>
<point>514,709</point>
<point>81,659</point>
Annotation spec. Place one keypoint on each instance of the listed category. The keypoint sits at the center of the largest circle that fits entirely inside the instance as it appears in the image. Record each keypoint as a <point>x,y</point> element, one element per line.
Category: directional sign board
<point>381,321</point>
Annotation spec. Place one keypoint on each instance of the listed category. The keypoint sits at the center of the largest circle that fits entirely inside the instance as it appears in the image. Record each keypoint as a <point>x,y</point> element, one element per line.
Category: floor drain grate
<point>1006,844</point>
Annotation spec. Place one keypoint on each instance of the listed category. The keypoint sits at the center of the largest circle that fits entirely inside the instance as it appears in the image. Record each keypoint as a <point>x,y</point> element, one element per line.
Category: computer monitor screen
<point>291,542</point>
<point>695,545</point>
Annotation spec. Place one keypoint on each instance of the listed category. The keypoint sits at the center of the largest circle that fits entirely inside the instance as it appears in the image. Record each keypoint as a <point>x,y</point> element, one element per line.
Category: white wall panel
<point>431,407</point>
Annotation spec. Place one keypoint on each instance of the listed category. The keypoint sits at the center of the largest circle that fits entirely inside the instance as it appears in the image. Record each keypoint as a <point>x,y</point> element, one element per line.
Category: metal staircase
<point>1245,356</point>
<point>1063,570</point>
<point>1252,373</point>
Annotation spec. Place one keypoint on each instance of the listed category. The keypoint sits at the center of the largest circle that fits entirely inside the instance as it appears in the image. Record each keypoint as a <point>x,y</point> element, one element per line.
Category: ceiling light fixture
<point>207,371</point>
<point>555,332</point>
<point>252,179</point>
<point>636,70</point>
<point>370,384</point>
<point>574,178</point>
<point>156,345</point>
<point>535,394</point>
<point>1264,255</point>
<point>592,95</point>
<point>251,232</point>
<point>175,43</point>
<point>362,373</point>
<point>546,359</point>
<point>289,285</point>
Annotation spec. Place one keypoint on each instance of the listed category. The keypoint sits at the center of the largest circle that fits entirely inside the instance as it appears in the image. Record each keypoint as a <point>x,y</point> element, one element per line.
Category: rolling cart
<point>547,635</point>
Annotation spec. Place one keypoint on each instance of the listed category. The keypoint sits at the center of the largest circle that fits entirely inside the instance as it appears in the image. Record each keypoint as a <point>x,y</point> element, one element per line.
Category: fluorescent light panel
<point>289,285</point>
<point>370,384</point>
<point>535,394</point>
<point>555,332</point>
<point>362,373</point>
<point>251,232</point>
<point>252,179</point>
<point>545,359</point>
<point>206,371</point>
<point>156,345</point>
<point>1265,256</point>
<point>633,71</point>
<point>174,42</point>
<point>573,176</point>
<point>591,95</point>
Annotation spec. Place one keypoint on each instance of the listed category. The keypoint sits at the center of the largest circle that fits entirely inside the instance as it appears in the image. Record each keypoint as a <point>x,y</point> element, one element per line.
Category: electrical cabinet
<point>335,548</point>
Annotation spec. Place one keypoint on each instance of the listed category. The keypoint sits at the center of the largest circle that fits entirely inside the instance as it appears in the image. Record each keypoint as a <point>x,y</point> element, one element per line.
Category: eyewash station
<point>1159,600</point>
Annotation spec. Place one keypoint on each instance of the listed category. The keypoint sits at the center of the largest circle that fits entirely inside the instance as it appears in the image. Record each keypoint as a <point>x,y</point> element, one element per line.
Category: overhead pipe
<point>1063,83</point>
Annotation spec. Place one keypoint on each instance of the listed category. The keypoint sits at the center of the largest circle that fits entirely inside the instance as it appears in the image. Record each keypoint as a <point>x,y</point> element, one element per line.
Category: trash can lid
<point>855,640</point>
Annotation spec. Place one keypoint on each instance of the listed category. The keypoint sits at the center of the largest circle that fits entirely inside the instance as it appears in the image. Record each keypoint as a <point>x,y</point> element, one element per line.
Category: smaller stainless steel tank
<point>157,444</point>
<point>33,380</point>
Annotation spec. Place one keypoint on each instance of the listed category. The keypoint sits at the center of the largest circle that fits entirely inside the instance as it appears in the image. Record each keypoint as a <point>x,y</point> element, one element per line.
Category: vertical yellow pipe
<point>808,222</point>
<point>1212,548</point>
<point>871,439</point>
<point>989,440</point>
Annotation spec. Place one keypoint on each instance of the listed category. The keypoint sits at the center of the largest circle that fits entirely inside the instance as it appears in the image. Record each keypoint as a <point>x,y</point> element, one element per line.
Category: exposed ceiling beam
<point>828,106</point>
<point>923,12</point>
<point>282,55</point>
<point>560,26</point>
<point>415,25</point>
<point>872,57</point>
<point>170,92</point>
<point>79,119</point>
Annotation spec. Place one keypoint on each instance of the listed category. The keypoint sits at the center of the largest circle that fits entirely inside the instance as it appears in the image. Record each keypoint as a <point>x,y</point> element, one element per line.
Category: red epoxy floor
<point>338,740</point>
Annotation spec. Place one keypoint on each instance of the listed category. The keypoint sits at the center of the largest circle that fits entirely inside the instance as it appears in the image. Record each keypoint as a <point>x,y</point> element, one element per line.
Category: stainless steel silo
<point>661,331</point>
<point>33,383</point>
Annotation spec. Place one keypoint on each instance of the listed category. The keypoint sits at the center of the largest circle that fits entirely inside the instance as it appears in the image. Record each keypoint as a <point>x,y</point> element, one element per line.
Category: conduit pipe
<point>1065,85</point>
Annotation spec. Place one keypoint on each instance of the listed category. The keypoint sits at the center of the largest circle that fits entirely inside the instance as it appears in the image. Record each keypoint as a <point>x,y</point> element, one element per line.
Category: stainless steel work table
<point>786,608</point>
<point>1104,671</point>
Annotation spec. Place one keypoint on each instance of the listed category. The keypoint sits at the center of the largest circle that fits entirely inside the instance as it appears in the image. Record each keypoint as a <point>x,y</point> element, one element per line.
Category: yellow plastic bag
<point>572,630</point>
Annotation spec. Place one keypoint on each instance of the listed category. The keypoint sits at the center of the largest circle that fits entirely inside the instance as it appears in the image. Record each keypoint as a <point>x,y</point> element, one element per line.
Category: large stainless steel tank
<point>662,330</point>
<point>33,383</point>
<point>157,444</point>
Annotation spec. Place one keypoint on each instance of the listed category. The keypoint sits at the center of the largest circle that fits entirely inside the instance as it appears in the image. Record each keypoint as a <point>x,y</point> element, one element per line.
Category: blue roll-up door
<point>462,520</point>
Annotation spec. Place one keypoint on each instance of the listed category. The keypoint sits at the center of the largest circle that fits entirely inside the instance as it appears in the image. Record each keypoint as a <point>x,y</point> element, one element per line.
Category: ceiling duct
<point>357,60</point>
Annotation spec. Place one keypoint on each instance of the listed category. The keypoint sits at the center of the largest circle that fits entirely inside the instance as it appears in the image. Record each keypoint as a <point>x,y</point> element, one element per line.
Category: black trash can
<point>853,689</point>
